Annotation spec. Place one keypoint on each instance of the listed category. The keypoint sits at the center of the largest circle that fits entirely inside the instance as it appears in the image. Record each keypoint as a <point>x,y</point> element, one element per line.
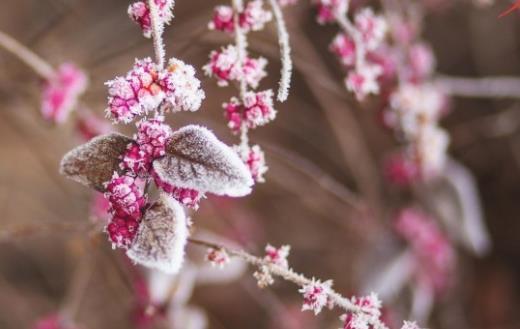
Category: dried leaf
<point>93,163</point>
<point>197,160</point>
<point>162,236</point>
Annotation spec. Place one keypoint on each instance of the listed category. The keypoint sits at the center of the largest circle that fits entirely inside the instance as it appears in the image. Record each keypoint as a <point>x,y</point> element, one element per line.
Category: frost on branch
<point>93,163</point>
<point>196,159</point>
<point>162,236</point>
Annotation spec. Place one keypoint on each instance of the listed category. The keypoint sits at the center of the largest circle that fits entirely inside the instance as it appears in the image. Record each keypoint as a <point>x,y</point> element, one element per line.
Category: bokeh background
<point>324,151</point>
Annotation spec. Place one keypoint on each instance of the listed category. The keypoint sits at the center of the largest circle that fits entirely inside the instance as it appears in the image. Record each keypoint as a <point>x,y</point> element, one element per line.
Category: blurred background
<point>325,193</point>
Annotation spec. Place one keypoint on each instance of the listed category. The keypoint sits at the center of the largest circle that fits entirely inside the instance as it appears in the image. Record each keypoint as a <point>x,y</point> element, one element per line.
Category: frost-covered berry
<point>315,295</point>
<point>125,196</point>
<point>217,257</point>
<point>371,27</point>
<point>136,160</point>
<point>401,170</point>
<point>135,94</point>
<point>434,253</point>
<point>254,158</point>
<point>421,62</point>
<point>257,110</point>
<point>122,231</point>
<point>361,320</point>
<point>224,66</point>
<point>152,137</point>
<point>222,20</point>
<point>254,16</point>
<point>277,256</point>
<point>181,87</point>
<point>140,14</point>
<point>345,48</point>
<point>187,197</point>
<point>430,149</point>
<point>329,9</point>
<point>364,80</point>
<point>416,106</point>
<point>60,92</point>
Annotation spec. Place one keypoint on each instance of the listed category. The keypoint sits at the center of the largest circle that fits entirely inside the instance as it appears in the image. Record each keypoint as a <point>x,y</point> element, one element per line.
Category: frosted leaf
<point>93,163</point>
<point>196,159</point>
<point>161,237</point>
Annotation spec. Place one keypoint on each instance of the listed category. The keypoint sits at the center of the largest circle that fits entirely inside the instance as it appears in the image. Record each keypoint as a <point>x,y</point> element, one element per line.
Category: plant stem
<point>157,32</point>
<point>35,62</point>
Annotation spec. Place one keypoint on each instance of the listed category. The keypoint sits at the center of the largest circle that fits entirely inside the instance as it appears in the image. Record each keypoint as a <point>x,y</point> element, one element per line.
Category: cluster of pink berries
<point>413,109</point>
<point>225,67</point>
<point>252,18</point>
<point>355,44</point>
<point>60,92</point>
<point>139,12</point>
<point>232,63</point>
<point>316,296</point>
<point>371,313</point>
<point>433,252</point>
<point>147,87</point>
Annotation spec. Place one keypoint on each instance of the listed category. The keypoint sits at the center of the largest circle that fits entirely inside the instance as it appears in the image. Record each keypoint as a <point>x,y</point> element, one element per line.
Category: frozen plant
<point>183,164</point>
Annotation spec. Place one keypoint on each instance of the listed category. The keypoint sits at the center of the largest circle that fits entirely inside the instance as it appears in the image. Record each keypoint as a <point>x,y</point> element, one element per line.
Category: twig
<point>287,274</point>
<point>157,33</point>
<point>488,87</point>
<point>285,52</point>
<point>35,62</point>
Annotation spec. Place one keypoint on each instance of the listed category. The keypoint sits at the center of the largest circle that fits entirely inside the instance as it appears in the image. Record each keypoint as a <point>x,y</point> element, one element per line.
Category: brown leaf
<point>162,236</point>
<point>93,163</point>
<point>197,160</point>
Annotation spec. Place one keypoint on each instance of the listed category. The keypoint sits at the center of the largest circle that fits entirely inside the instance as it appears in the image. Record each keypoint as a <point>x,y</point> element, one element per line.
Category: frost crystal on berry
<point>254,16</point>
<point>125,196</point>
<point>217,257</point>
<point>344,47</point>
<point>140,14</point>
<point>152,136</point>
<point>371,27</point>
<point>135,94</point>
<point>222,19</point>
<point>254,158</point>
<point>60,92</point>
<point>315,295</point>
<point>182,88</point>
<point>257,110</point>
<point>277,256</point>
<point>329,9</point>
<point>363,80</point>
<point>224,66</point>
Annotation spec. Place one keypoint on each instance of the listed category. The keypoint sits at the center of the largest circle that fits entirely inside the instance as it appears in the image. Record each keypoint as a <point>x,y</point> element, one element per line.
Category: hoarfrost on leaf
<point>93,163</point>
<point>162,237</point>
<point>196,159</point>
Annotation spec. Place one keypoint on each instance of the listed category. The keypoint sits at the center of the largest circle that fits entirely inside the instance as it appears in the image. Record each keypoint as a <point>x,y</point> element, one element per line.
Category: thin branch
<point>488,87</point>
<point>35,62</point>
<point>287,274</point>
<point>157,34</point>
<point>285,52</point>
<point>241,43</point>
